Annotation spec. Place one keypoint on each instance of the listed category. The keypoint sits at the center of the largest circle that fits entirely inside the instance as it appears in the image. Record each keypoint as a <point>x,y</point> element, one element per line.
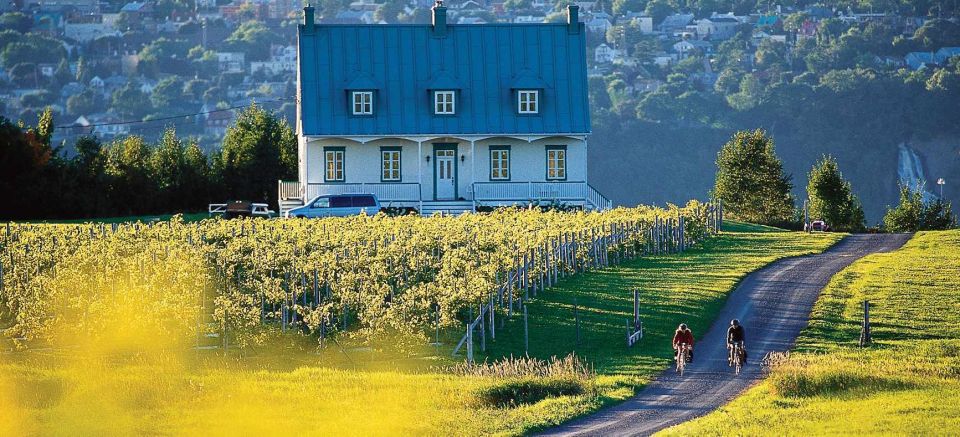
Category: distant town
<point>109,68</point>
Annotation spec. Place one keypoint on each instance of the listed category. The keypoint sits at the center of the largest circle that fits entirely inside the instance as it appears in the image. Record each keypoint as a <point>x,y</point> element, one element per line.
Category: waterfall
<point>910,171</point>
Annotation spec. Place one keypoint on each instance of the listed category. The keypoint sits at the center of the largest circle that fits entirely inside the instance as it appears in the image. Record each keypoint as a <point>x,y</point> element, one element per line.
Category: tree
<point>750,180</point>
<point>621,7</point>
<point>389,11</point>
<point>23,159</point>
<point>658,9</point>
<point>252,38</point>
<point>130,102</point>
<point>912,214</point>
<point>83,103</point>
<point>128,168</point>
<point>15,21</point>
<point>831,197</point>
<point>167,96</point>
<point>258,150</point>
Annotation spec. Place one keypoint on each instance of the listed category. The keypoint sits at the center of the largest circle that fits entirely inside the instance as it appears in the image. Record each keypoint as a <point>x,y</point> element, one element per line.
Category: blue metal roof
<point>485,63</point>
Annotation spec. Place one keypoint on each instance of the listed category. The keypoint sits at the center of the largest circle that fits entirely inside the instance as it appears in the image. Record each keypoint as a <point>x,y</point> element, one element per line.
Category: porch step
<point>451,208</point>
<point>288,204</point>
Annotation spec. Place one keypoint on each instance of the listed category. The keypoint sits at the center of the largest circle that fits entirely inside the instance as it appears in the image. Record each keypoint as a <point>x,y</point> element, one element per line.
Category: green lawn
<point>92,392</point>
<point>736,226</point>
<point>908,383</point>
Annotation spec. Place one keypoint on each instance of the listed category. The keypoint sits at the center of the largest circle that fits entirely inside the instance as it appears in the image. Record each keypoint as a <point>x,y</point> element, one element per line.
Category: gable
<point>402,63</point>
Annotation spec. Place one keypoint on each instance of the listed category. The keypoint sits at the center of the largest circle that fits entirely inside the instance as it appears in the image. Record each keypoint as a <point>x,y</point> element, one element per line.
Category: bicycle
<point>736,352</point>
<point>683,350</point>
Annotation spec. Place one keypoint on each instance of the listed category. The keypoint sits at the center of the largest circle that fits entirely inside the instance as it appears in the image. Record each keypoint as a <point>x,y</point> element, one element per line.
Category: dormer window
<point>362,102</point>
<point>444,102</point>
<point>528,101</point>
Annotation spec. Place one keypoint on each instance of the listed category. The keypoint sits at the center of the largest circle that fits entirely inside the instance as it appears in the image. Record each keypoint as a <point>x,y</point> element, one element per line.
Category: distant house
<point>919,60</point>
<point>529,19</point>
<point>217,122</point>
<point>687,47</point>
<point>88,31</point>
<point>471,20</point>
<point>675,22</point>
<point>665,59</point>
<point>438,135</point>
<point>644,21</point>
<point>108,125</point>
<point>138,10</point>
<point>96,82</point>
<point>717,29</point>
<point>943,55</point>
<point>769,22</point>
<point>231,62</point>
<point>604,54</point>
<point>599,25</point>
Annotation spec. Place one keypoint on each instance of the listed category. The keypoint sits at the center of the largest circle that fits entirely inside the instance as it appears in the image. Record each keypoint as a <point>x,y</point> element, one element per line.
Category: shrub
<point>913,214</point>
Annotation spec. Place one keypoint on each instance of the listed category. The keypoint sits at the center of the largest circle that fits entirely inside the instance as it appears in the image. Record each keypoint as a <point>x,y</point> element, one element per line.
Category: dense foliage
<point>830,197</point>
<point>751,182</point>
<point>914,214</point>
<point>130,176</point>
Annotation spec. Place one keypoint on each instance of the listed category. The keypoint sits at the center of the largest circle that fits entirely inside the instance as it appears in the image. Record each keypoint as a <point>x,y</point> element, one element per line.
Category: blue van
<point>337,205</point>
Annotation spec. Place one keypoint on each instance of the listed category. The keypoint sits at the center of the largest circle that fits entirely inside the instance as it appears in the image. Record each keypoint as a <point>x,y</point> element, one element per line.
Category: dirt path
<point>774,304</point>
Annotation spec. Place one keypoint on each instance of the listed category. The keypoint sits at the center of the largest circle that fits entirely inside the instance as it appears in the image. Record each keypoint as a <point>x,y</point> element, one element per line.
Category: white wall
<point>528,161</point>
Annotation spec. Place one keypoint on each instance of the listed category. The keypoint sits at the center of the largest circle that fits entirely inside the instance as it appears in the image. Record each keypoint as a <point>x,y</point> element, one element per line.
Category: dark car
<point>241,208</point>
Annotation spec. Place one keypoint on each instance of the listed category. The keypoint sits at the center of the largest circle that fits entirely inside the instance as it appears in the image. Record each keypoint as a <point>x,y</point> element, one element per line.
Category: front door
<point>445,172</point>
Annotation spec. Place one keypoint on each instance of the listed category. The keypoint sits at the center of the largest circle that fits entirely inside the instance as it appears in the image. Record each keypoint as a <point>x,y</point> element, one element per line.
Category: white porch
<point>293,194</point>
<point>446,173</point>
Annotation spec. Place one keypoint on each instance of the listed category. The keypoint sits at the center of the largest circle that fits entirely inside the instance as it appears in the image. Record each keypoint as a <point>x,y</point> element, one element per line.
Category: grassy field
<point>137,389</point>
<point>908,383</point>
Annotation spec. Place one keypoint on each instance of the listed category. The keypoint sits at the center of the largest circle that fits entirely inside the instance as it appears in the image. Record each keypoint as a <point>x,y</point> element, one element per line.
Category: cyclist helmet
<point>734,322</point>
<point>683,327</point>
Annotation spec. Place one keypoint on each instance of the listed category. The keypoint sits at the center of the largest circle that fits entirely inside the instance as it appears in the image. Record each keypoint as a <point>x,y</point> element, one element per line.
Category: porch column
<point>473,173</point>
<point>420,173</point>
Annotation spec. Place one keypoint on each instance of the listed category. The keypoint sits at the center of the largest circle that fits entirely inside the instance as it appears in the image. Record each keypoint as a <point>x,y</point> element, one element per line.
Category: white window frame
<point>361,102</point>
<point>445,102</point>
<point>333,165</point>
<point>500,163</point>
<point>528,101</point>
<point>390,165</point>
<point>558,164</point>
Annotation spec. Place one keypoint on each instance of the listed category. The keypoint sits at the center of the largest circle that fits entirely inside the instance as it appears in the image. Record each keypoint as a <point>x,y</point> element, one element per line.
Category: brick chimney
<point>573,18</point>
<point>439,19</point>
<point>308,21</point>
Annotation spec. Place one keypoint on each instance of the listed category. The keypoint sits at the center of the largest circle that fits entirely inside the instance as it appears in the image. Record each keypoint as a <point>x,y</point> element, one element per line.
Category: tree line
<point>753,186</point>
<point>132,176</point>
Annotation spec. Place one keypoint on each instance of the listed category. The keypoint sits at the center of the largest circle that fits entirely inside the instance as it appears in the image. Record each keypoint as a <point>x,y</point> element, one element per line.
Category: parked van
<point>337,205</point>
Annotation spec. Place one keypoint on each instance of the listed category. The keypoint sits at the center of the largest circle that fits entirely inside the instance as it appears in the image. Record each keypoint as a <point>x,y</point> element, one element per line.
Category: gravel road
<point>773,303</point>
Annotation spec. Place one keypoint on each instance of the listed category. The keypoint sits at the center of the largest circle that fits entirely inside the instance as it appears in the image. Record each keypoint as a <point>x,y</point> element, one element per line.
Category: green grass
<point>280,390</point>
<point>908,383</point>
<point>737,226</point>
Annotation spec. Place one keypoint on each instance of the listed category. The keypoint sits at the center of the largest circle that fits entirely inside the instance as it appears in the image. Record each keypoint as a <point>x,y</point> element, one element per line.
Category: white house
<point>599,25</point>
<point>231,62</point>
<point>433,117</point>
<point>604,54</point>
<point>717,28</point>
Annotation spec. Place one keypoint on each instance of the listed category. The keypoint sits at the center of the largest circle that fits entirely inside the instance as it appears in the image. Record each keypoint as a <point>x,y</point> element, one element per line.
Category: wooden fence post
<point>865,328</point>
<point>526,332</point>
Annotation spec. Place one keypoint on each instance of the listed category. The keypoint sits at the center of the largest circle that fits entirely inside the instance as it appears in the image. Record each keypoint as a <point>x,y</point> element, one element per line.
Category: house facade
<point>443,117</point>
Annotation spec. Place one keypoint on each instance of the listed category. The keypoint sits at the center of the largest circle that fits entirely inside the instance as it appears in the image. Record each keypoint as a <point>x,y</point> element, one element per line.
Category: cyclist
<point>683,335</point>
<point>735,336</point>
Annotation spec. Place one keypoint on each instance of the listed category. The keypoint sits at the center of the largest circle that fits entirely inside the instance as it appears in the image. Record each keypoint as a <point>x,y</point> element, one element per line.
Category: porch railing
<point>289,190</point>
<point>385,192</point>
<point>538,192</point>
